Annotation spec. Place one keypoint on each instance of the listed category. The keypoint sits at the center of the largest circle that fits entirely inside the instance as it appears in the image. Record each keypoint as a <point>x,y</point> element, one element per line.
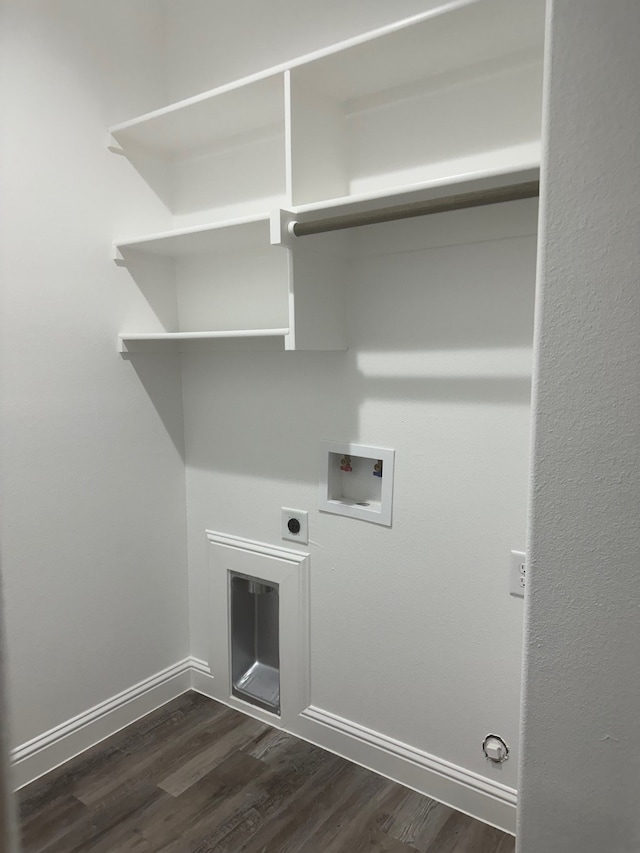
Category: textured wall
<point>581,753</point>
<point>92,478</point>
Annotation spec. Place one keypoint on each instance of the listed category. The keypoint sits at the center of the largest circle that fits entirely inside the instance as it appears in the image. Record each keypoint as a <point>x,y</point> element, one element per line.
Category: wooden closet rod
<point>476,198</point>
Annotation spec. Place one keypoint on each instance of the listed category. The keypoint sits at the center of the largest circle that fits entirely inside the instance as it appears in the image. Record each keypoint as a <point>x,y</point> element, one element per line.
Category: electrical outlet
<point>517,573</point>
<point>295,525</point>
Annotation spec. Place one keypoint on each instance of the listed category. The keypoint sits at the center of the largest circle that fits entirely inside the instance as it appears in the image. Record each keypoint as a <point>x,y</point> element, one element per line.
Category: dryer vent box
<point>255,644</point>
<point>357,480</point>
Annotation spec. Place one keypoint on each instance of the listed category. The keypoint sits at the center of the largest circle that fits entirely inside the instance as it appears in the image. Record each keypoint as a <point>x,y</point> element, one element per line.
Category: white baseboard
<point>199,666</point>
<point>468,792</point>
<point>43,753</point>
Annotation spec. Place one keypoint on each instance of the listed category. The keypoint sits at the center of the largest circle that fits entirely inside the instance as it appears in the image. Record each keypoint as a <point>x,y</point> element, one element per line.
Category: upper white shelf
<point>454,36</point>
<point>454,91</point>
<point>450,38</point>
<point>197,122</point>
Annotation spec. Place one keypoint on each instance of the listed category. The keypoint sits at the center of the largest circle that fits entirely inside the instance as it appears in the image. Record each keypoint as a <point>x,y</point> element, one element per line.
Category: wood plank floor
<point>198,777</point>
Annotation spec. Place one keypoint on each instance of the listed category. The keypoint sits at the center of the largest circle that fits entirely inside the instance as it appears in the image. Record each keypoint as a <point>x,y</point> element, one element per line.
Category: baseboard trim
<point>47,751</point>
<point>423,759</point>
<point>197,665</point>
<point>468,792</point>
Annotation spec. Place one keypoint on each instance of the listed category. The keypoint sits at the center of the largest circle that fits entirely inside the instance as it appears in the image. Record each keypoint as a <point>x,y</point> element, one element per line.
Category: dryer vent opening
<point>255,644</point>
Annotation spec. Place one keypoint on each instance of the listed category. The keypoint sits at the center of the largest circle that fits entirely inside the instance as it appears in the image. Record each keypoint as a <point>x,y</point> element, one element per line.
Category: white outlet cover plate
<point>303,517</point>
<point>517,573</point>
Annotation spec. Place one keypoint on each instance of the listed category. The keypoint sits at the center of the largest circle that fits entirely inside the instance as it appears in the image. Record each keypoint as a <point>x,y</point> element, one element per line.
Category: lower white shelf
<point>125,339</point>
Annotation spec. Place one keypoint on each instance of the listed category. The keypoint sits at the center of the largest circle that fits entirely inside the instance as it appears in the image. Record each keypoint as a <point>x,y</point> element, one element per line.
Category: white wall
<point>581,763</point>
<point>413,633</point>
<point>92,479</point>
<point>211,43</point>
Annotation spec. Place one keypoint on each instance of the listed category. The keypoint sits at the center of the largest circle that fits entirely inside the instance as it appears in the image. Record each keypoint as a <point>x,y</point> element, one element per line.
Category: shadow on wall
<point>163,389</point>
<point>440,325</point>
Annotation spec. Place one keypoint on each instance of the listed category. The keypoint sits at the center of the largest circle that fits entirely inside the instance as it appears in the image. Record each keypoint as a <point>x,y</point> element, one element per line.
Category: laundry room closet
<point>284,269</point>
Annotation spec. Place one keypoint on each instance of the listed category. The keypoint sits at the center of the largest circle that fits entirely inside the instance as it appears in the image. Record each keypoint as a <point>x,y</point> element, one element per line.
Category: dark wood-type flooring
<point>198,777</point>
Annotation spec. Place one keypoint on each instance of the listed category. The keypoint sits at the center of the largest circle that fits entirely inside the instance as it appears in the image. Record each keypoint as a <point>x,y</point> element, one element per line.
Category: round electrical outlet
<point>293,525</point>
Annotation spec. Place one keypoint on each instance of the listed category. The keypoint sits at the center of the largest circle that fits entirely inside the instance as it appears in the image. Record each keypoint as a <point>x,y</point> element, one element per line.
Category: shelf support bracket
<point>280,232</point>
<point>114,146</point>
<point>117,256</point>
